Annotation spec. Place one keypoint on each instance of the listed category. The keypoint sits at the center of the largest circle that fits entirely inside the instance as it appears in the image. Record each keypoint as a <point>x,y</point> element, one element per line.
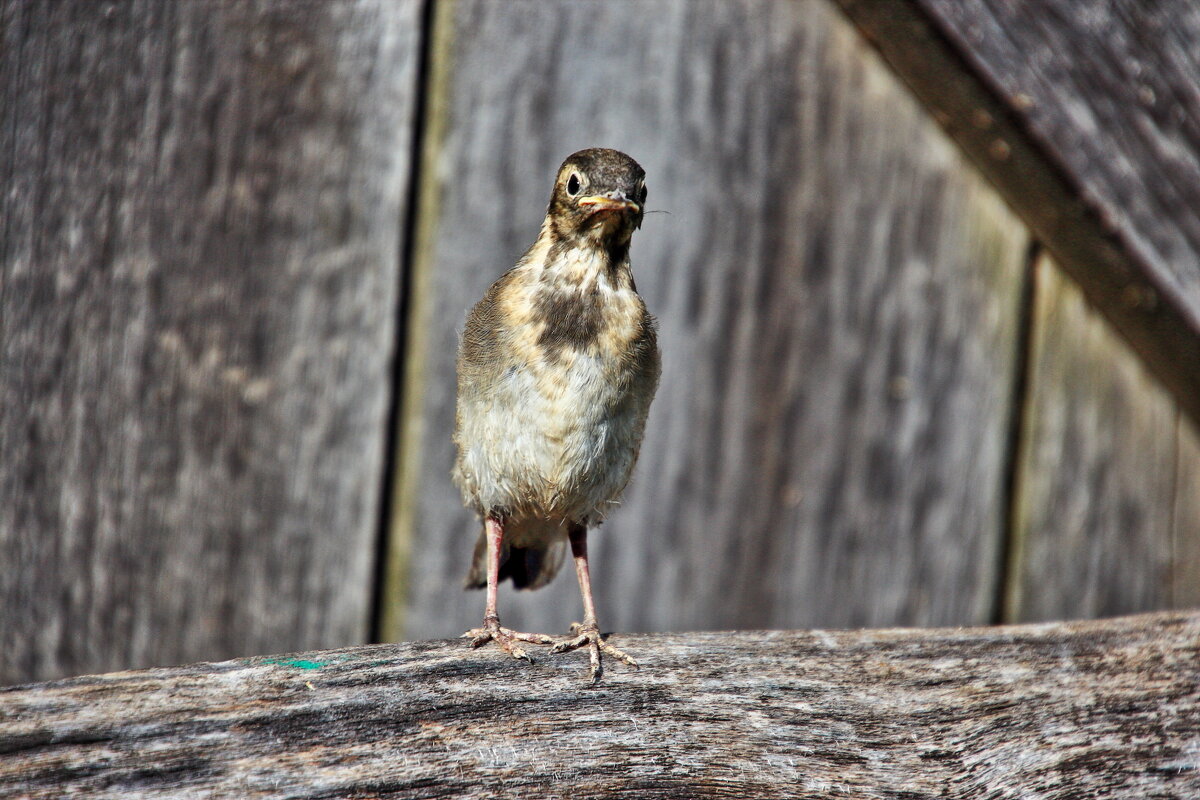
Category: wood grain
<point>1077,710</point>
<point>1101,519</point>
<point>201,207</point>
<point>1185,545</point>
<point>838,297</point>
<point>1086,117</point>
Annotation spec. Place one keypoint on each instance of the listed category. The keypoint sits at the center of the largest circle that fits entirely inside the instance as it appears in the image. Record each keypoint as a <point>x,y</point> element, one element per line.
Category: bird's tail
<point>530,565</point>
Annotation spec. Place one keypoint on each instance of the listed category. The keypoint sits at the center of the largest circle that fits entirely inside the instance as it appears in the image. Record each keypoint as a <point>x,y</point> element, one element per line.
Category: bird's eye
<point>573,185</point>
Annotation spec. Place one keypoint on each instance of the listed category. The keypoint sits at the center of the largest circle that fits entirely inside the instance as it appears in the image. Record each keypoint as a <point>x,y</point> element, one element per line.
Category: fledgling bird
<point>556,370</point>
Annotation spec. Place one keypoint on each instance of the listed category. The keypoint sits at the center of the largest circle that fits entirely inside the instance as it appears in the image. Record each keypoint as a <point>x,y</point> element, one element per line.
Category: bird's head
<point>598,199</point>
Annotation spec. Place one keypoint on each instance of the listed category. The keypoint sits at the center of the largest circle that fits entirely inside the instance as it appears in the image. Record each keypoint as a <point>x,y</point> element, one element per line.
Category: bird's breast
<point>576,370</point>
<point>560,429</point>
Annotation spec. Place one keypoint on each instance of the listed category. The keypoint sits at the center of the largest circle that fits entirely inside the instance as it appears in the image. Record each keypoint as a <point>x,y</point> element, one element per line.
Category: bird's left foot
<point>589,636</point>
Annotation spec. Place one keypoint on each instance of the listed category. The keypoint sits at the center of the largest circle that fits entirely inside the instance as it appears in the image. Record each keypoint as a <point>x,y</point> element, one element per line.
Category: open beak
<point>614,201</point>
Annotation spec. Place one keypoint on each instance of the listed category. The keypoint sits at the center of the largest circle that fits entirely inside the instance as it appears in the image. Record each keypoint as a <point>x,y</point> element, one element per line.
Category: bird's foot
<point>505,638</point>
<point>589,636</point>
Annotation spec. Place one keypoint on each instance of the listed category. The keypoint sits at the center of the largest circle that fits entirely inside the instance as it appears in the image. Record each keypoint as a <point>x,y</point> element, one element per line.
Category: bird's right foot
<point>505,638</point>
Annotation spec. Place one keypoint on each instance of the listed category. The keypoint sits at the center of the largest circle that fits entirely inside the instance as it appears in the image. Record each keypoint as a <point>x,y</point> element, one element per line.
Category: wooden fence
<point>239,239</point>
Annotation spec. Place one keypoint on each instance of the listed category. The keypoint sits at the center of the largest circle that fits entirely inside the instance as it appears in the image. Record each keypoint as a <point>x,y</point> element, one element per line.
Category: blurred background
<point>240,240</point>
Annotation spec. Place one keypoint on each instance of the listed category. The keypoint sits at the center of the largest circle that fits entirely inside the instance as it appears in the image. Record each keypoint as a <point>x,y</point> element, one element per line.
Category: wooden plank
<point>1094,512</point>
<point>1185,552</point>
<point>838,300</point>
<point>1086,117</point>
<point>201,206</point>
<point>1076,710</point>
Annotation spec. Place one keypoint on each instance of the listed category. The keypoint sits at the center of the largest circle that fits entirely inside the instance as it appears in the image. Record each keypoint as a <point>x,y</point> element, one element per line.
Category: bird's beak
<point>613,201</point>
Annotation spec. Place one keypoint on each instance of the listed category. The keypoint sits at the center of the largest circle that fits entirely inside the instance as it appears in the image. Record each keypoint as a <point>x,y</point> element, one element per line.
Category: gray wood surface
<point>1086,116</point>
<point>1076,711</point>
<point>1104,523</point>
<point>198,278</point>
<point>1185,550</point>
<point>838,300</point>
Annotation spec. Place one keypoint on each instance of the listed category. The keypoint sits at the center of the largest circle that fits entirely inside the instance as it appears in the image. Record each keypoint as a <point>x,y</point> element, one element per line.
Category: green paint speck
<point>298,663</point>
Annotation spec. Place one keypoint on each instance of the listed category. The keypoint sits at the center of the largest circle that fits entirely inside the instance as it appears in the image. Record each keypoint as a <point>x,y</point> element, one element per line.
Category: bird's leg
<point>491,630</point>
<point>587,632</point>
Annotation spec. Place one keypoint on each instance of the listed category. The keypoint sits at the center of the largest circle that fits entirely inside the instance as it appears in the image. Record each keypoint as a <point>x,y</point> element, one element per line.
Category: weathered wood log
<point>1081,710</point>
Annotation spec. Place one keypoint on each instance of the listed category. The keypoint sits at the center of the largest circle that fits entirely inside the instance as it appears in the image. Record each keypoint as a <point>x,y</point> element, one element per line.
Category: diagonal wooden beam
<point>1086,118</point>
<point>1093,709</point>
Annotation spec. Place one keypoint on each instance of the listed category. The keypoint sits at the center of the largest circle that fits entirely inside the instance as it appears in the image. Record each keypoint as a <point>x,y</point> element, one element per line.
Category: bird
<point>557,366</point>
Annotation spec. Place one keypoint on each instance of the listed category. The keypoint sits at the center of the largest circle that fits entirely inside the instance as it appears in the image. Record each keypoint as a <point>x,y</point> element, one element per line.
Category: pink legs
<point>491,630</point>
<point>588,632</point>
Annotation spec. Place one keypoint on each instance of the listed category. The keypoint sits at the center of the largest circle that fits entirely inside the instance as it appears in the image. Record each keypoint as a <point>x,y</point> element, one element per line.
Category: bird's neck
<point>581,261</point>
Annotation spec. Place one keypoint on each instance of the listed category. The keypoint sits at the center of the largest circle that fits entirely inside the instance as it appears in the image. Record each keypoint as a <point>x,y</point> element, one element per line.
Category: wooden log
<point>201,210</point>
<point>1081,710</point>
<point>1086,117</point>
<point>838,295</point>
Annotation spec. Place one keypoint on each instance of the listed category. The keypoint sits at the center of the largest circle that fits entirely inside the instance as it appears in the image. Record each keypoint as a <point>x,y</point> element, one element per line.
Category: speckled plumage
<point>556,371</point>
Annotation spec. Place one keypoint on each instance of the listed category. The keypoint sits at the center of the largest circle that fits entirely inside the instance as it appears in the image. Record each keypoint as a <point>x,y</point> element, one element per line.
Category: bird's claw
<point>589,636</point>
<point>505,638</point>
